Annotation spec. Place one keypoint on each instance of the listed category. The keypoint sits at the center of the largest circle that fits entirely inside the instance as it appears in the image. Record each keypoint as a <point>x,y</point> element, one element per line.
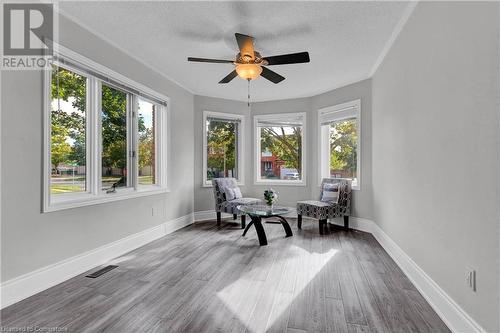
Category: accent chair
<point>324,209</point>
<point>222,205</point>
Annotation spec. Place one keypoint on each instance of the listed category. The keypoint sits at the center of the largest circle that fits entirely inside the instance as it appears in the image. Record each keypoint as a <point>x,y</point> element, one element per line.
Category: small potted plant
<point>270,196</point>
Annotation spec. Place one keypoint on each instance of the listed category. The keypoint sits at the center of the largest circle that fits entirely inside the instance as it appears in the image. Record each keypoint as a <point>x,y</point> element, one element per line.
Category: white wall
<point>30,239</point>
<point>435,149</point>
<point>289,195</point>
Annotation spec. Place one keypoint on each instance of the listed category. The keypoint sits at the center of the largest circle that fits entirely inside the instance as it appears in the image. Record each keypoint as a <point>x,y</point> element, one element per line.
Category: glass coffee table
<point>257,212</point>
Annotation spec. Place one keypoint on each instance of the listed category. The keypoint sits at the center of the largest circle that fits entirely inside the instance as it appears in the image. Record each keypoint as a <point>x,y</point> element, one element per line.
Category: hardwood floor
<point>208,279</point>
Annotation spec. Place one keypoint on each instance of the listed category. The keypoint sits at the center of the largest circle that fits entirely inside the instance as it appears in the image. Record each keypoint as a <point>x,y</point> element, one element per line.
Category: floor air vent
<point>101,271</point>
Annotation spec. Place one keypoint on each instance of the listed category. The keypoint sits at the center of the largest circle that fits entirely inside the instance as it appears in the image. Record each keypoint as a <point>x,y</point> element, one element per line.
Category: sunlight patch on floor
<point>244,291</point>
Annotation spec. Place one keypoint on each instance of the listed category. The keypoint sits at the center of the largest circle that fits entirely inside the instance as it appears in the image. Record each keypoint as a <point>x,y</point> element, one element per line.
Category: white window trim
<point>241,144</point>
<point>94,195</point>
<point>285,182</point>
<point>339,108</point>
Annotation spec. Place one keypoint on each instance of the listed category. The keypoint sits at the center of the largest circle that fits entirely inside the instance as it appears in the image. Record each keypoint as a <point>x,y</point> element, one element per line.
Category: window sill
<point>210,184</point>
<point>90,200</point>
<point>280,183</point>
<point>356,187</point>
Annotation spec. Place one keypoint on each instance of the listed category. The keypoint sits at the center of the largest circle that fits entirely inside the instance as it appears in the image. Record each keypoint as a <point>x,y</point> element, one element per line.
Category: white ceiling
<point>344,40</point>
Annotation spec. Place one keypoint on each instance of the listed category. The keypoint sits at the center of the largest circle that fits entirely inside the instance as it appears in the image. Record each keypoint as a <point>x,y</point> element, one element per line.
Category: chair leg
<point>218,218</point>
<point>299,221</point>
<point>346,221</point>
<point>243,220</point>
<point>235,217</point>
<point>322,223</point>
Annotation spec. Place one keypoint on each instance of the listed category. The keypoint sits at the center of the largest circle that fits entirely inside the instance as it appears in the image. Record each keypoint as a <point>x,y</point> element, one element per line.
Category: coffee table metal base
<point>261,233</point>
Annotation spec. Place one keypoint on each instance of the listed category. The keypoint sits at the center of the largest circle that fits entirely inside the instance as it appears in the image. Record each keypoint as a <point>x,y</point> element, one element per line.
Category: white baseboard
<point>447,309</point>
<point>205,215</point>
<point>357,223</point>
<point>26,285</point>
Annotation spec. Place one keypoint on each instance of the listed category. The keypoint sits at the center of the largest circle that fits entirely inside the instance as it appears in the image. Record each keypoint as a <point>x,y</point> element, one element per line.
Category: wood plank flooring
<point>205,278</point>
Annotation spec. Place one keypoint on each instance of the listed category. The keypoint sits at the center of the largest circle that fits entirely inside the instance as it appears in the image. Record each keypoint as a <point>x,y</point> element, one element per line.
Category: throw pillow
<point>229,192</point>
<point>237,193</point>
<point>330,193</point>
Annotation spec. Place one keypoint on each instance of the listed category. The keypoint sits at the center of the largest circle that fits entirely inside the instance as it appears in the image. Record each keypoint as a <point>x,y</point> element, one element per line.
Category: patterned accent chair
<point>322,210</point>
<point>224,206</point>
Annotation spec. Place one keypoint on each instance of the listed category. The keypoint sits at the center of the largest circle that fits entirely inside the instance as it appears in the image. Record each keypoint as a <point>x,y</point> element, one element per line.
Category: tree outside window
<point>147,143</point>
<point>340,144</point>
<point>343,149</point>
<point>114,137</point>
<point>68,123</point>
<point>222,148</point>
<point>281,147</point>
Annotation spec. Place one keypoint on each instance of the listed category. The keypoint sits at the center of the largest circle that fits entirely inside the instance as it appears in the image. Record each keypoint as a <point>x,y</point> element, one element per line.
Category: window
<point>280,148</point>
<point>115,137</point>
<point>340,142</point>
<point>105,135</point>
<point>147,143</point>
<point>68,116</point>
<point>223,145</point>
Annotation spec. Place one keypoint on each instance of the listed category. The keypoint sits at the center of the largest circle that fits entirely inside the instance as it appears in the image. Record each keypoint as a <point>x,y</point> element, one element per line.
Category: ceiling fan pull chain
<point>248,103</point>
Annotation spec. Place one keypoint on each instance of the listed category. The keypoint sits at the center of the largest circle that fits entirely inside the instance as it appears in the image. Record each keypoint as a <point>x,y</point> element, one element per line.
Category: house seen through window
<point>280,149</point>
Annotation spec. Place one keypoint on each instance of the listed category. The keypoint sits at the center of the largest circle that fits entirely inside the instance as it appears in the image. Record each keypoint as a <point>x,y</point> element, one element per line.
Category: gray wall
<point>362,199</point>
<point>203,196</point>
<point>30,239</point>
<point>289,195</point>
<point>435,147</point>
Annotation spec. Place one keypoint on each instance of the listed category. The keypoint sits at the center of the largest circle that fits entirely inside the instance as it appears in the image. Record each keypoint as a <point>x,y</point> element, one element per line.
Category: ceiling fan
<point>249,64</point>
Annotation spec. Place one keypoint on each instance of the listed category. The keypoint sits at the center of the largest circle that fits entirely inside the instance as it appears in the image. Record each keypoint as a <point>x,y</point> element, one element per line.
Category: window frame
<point>241,144</point>
<point>339,112</point>
<point>94,194</point>
<point>257,152</point>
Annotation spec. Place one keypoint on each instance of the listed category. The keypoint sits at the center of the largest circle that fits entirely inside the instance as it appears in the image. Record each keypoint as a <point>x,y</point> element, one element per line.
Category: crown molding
<point>118,47</point>
<point>395,33</point>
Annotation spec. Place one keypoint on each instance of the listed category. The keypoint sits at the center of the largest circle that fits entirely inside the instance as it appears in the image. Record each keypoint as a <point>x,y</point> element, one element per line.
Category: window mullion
<point>95,135</point>
<point>132,131</point>
<point>88,135</point>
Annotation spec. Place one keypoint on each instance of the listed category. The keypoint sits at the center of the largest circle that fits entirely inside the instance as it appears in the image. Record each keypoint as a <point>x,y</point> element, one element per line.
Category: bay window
<point>223,146</point>
<point>280,148</point>
<point>340,142</point>
<point>105,135</point>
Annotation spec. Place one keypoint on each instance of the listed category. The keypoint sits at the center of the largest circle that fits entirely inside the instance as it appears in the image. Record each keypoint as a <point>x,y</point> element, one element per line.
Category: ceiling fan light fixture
<point>248,71</point>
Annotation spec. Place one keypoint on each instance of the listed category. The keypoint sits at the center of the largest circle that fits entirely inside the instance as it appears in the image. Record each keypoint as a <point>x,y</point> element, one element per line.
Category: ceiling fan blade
<point>229,77</point>
<point>218,61</point>
<point>292,58</point>
<point>245,44</point>
<point>271,76</point>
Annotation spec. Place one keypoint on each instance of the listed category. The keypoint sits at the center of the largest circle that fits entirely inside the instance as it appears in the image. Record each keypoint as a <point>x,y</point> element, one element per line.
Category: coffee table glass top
<point>264,210</point>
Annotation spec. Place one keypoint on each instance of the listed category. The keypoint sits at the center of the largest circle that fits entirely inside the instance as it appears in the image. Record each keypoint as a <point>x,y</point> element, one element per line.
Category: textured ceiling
<point>344,40</point>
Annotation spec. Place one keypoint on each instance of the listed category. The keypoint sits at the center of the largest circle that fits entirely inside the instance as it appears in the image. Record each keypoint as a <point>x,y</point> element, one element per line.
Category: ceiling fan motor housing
<point>248,59</point>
